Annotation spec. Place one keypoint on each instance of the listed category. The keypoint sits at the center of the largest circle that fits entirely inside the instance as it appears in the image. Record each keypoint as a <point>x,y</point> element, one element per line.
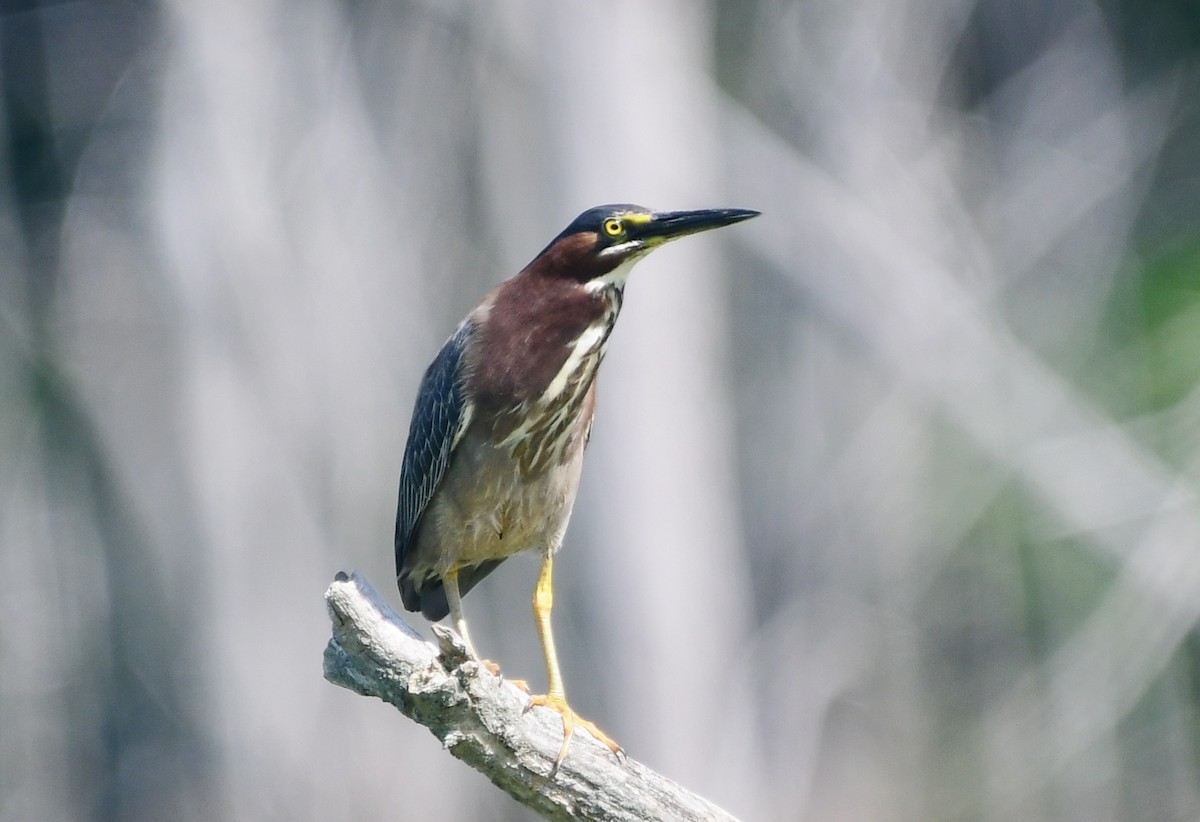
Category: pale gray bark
<point>483,719</point>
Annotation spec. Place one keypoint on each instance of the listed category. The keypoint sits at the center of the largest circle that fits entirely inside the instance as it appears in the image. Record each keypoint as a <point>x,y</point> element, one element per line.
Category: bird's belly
<point>486,510</point>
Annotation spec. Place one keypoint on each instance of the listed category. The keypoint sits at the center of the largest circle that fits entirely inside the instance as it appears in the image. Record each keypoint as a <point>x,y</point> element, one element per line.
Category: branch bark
<point>483,720</point>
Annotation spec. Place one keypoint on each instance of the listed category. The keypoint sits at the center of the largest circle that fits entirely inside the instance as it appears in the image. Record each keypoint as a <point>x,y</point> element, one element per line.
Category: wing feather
<point>440,416</point>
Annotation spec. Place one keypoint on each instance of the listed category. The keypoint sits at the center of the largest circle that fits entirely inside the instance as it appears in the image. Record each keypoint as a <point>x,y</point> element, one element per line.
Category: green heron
<point>503,415</point>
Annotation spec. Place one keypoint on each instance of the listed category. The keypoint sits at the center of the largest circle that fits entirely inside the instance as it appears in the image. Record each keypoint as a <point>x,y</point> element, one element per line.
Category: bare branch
<point>483,720</point>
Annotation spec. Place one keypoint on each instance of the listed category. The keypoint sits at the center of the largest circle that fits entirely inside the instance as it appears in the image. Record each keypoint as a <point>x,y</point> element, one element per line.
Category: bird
<point>495,447</point>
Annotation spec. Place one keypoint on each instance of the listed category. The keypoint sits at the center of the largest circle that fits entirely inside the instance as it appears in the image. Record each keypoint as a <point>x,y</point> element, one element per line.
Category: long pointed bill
<point>671,225</point>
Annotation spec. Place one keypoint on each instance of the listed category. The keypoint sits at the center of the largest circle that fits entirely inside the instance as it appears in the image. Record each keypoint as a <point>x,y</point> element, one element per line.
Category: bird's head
<point>600,246</point>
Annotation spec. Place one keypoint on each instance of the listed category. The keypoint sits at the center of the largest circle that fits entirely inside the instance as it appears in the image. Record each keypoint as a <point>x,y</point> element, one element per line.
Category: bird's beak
<point>671,225</point>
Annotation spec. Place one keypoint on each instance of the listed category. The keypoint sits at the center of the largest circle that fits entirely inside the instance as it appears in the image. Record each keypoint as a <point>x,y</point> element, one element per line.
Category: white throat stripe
<point>585,344</point>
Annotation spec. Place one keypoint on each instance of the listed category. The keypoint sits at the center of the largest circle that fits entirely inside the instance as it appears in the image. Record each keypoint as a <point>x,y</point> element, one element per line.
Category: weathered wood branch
<point>483,720</point>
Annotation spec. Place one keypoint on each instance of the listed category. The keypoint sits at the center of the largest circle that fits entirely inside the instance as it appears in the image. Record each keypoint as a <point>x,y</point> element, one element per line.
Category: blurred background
<point>891,509</point>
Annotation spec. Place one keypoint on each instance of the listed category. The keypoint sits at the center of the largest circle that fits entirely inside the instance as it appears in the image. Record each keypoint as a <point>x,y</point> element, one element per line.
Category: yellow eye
<point>614,227</point>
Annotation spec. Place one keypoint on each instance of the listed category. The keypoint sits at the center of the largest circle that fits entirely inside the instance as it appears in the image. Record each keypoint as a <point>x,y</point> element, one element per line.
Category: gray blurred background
<point>891,509</point>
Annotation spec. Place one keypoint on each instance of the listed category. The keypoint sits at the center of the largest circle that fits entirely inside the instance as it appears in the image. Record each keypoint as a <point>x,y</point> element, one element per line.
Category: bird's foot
<point>494,670</point>
<point>571,721</point>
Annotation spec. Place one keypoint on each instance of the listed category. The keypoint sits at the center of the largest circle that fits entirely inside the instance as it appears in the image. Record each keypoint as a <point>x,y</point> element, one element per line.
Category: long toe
<point>570,721</point>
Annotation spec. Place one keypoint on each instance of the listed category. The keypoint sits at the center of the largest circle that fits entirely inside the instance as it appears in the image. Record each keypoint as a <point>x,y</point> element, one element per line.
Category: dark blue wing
<point>438,415</point>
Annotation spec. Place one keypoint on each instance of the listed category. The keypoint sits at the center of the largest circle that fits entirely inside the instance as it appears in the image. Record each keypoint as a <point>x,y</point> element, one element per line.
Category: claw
<point>570,721</point>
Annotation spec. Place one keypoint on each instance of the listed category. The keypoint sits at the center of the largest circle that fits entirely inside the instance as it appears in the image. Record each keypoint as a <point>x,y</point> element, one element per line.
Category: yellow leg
<point>454,600</point>
<point>555,697</point>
